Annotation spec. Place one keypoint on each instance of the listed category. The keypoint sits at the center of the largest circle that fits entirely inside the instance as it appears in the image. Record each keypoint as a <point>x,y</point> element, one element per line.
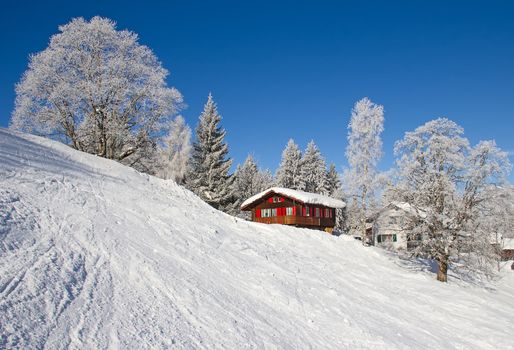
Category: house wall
<point>297,219</point>
<point>390,222</point>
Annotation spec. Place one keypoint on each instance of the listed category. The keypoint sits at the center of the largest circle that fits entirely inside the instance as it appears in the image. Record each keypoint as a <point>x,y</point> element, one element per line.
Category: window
<point>306,211</point>
<point>274,212</point>
<point>289,211</point>
<point>387,238</point>
<point>317,212</point>
<point>266,213</point>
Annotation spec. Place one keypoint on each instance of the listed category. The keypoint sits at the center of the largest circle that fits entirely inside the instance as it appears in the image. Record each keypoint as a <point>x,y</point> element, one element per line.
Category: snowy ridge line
<point>300,196</point>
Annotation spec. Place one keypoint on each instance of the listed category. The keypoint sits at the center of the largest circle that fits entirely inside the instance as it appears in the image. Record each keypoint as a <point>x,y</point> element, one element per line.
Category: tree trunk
<point>363,217</point>
<point>442,273</point>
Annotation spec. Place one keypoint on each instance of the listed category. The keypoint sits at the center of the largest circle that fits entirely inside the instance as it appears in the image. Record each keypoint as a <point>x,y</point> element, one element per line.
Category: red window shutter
<point>257,213</point>
<point>294,210</point>
<point>282,199</point>
<point>304,211</point>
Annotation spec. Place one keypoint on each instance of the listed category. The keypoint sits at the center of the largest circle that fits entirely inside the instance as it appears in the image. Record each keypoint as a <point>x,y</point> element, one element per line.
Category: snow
<point>406,207</point>
<point>96,255</point>
<point>508,243</point>
<point>301,196</point>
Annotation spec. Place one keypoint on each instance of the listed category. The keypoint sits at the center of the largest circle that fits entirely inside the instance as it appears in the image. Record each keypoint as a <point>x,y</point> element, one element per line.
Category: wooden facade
<point>275,208</point>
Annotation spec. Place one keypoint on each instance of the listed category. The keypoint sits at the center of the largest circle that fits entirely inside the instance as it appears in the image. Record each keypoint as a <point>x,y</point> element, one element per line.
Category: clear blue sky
<point>281,70</point>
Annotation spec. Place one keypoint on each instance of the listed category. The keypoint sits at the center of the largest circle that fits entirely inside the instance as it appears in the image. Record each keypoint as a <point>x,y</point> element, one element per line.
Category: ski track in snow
<point>95,255</point>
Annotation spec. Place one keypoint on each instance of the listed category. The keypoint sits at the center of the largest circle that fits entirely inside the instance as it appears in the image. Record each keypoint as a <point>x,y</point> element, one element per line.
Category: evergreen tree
<point>175,157</point>
<point>249,180</point>
<point>288,173</point>
<point>333,182</point>
<point>313,171</point>
<point>208,174</point>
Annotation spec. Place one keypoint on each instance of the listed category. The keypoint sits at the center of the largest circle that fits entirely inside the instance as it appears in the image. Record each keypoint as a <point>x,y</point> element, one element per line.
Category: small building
<point>285,206</point>
<point>507,249</point>
<point>391,226</point>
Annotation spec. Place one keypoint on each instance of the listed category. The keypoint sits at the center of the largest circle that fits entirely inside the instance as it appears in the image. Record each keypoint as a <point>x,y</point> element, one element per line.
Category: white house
<point>391,226</point>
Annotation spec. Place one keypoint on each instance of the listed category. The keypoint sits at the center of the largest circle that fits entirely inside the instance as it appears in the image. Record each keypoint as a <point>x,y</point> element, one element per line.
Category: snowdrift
<point>96,255</point>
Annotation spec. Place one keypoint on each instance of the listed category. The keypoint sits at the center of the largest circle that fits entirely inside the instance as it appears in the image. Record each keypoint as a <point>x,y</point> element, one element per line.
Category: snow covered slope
<point>95,255</point>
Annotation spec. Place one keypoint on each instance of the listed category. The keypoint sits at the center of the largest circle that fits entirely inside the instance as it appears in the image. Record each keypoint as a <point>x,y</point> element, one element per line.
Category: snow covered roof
<point>300,196</point>
<point>406,207</point>
<point>508,243</point>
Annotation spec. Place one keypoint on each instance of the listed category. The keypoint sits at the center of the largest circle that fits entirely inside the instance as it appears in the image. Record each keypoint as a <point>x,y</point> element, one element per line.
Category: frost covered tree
<point>248,181</point>
<point>449,183</point>
<point>288,173</point>
<point>208,174</point>
<point>333,182</point>
<point>98,90</point>
<point>363,152</point>
<point>176,152</point>
<point>313,171</point>
<point>335,190</point>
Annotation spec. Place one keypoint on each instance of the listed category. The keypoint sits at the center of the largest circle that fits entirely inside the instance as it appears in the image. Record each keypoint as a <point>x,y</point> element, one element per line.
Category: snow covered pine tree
<point>288,173</point>
<point>208,175</point>
<point>313,171</point>
<point>249,180</point>
<point>333,182</point>
<point>98,90</point>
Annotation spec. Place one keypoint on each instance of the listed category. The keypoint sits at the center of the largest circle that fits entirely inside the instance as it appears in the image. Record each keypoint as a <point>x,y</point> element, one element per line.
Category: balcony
<point>297,220</point>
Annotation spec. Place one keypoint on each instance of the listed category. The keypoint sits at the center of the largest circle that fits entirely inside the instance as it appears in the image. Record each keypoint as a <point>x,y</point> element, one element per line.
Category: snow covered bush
<point>452,186</point>
<point>98,90</point>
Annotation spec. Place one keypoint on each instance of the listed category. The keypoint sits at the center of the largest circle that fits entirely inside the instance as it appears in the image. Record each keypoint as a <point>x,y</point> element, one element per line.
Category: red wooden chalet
<point>284,206</point>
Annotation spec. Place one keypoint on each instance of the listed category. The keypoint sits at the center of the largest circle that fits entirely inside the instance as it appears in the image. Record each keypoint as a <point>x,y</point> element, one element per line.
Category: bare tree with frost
<point>176,152</point>
<point>208,174</point>
<point>98,90</point>
<point>363,152</point>
<point>449,184</point>
<point>288,173</point>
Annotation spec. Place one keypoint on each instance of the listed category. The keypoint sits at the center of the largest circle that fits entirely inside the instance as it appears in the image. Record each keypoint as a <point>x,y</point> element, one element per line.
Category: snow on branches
<point>208,174</point>
<point>99,90</point>
<point>363,152</point>
<point>454,185</point>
